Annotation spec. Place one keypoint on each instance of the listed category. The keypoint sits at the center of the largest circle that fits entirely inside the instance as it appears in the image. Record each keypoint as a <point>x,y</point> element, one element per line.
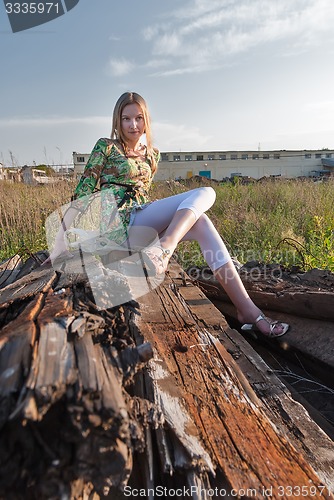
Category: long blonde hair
<point>116,132</point>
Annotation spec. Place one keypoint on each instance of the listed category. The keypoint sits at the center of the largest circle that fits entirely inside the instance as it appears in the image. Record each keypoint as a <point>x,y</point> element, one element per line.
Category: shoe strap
<point>165,252</point>
<point>261,317</point>
<point>272,324</point>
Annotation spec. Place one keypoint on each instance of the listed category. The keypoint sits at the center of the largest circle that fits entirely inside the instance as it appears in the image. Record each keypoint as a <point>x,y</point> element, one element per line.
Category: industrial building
<point>220,165</point>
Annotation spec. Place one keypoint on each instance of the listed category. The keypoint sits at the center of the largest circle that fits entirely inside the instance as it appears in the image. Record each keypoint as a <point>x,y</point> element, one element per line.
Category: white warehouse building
<point>226,164</point>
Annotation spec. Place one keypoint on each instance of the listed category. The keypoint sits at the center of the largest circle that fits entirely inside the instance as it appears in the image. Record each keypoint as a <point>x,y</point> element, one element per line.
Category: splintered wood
<point>65,420</point>
<point>205,396</point>
<point>305,300</point>
<point>120,401</point>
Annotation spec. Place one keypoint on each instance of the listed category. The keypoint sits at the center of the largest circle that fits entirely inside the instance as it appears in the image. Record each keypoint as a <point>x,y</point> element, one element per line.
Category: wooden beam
<point>80,408</point>
<point>193,371</point>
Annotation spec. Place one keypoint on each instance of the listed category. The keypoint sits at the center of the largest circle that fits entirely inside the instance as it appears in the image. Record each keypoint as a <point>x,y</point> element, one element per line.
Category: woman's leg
<point>247,311</point>
<point>219,260</point>
<point>182,217</point>
<point>172,217</point>
<point>229,278</point>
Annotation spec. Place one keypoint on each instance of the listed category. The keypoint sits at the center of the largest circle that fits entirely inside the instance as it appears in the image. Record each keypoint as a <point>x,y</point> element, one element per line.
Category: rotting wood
<point>37,281</point>
<point>196,370</point>
<point>65,413</point>
<point>283,292</point>
<point>32,263</point>
<point>9,270</point>
<point>81,415</point>
<point>315,350</point>
<point>286,413</point>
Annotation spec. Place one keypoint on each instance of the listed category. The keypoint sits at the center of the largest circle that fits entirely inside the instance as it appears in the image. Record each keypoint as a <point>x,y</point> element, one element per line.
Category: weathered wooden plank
<point>51,359</point>
<point>17,326</point>
<point>32,263</point>
<point>317,351</point>
<point>283,409</point>
<point>9,270</point>
<point>278,295</point>
<point>287,414</point>
<point>39,280</point>
<point>308,303</point>
<point>217,401</point>
<point>98,379</point>
<point>55,365</point>
<point>216,429</point>
<point>71,392</point>
<point>11,263</point>
<point>16,345</point>
<point>311,340</point>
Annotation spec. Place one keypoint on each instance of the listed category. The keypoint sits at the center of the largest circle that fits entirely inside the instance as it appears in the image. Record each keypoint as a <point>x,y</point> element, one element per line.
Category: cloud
<point>184,70</point>
<point>167,44</point>
<point>321,105</point>
<point>150,32</point>
<point>156,63</point>
<point>114,38</point>
<point>120,67</point>
<point>173,137</point>
<point>51,121</point>
<point>205,35</point>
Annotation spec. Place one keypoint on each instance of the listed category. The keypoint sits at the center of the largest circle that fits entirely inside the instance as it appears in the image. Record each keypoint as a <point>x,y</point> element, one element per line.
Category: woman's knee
<point>209,193</point>
<point>205,198</point>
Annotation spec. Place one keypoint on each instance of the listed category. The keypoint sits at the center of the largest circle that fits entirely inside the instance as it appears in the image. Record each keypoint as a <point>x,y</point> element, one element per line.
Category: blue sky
<point>217,75</point>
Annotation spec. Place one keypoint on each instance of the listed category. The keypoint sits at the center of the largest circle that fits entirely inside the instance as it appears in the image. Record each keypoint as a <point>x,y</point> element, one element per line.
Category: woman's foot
<point>158,258</point>
<point>266,326</point>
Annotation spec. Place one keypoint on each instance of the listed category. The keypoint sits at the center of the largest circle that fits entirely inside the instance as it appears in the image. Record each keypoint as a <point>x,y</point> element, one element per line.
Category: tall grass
<point>289,222</point>
<point>23,210</point>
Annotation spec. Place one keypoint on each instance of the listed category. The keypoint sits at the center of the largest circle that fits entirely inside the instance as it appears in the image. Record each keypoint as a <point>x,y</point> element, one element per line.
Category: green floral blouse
<point>107,166</point>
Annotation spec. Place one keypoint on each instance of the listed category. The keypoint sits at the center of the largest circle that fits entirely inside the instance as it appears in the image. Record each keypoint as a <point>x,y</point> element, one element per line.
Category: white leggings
<point>158,215</point>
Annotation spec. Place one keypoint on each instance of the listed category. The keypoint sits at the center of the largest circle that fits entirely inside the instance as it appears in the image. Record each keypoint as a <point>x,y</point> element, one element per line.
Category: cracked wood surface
<point>307,305</point>
<point>78,415</point>
<point>193,367</point>
<point>66,422</point>
<point>275,399</point>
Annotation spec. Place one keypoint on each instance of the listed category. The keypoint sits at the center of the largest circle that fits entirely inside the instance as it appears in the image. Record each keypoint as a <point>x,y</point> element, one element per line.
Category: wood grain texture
<point>226,413</point>
<point>142,394</point>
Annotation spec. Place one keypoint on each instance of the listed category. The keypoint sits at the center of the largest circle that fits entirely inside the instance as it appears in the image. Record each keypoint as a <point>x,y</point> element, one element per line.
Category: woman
<point>125,166</point>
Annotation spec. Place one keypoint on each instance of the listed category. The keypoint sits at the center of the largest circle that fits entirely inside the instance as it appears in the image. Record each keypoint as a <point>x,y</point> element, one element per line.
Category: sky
<point>217,75</point>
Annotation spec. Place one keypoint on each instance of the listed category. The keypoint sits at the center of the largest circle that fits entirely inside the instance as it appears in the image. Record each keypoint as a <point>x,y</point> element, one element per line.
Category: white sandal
<point>272,326</point>
<point>157,258</point>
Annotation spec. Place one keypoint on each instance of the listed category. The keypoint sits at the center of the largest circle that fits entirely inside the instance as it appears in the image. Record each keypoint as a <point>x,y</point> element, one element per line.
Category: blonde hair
<point>116,132</point>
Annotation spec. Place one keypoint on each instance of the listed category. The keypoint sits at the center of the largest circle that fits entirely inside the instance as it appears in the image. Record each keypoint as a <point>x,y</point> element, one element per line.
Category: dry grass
<point>287,221</point>
<point>23,210</point>
<point>290,222</point>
